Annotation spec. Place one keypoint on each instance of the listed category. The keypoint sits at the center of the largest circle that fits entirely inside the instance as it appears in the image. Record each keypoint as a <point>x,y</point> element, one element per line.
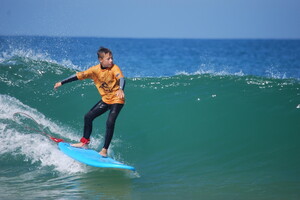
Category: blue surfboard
<point>91,157</point>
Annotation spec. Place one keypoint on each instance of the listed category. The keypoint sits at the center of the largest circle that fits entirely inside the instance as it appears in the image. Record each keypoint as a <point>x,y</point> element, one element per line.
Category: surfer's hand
<point>120,94</point>
<point>58,84</point>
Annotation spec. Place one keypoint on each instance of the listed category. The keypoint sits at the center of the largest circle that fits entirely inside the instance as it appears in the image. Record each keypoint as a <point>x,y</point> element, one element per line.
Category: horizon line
<point>175,38</point>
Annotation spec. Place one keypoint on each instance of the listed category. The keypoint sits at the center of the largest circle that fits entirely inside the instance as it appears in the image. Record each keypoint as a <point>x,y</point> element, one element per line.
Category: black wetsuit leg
<point>98,110</point>
<point>110,123</point>
<point>95,111</point>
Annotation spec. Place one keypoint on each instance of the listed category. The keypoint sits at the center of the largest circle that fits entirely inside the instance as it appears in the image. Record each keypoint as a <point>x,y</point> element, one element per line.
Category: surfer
<point>109,80</point>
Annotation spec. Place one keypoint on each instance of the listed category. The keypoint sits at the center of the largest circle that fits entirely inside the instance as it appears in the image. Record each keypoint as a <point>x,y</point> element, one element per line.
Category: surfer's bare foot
<point>103,152</point>
<point>79,145</point>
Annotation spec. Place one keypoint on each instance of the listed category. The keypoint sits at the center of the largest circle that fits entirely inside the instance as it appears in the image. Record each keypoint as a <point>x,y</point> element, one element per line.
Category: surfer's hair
<point>102,51</point>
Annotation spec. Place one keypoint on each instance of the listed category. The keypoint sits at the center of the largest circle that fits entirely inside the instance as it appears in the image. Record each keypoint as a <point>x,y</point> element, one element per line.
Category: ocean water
<point>204,119</point>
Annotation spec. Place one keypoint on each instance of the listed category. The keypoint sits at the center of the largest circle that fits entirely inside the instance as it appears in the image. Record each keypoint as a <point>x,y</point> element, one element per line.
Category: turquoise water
<point>213,130</point>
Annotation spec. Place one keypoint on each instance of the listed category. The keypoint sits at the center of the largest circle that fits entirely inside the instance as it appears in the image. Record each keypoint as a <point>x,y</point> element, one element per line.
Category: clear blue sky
<point>152,18</point>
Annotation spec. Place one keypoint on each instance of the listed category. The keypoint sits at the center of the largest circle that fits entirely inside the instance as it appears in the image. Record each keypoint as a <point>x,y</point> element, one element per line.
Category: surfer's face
<point>107,60</point>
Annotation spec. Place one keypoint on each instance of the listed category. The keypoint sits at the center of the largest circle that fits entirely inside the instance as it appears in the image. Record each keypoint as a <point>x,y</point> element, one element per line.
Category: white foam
<point>37,149</point>
<point>34,147</point>
<point>211,72</point>
<point>31,55</point>
<point>25,53</point>
<point>272,72</point>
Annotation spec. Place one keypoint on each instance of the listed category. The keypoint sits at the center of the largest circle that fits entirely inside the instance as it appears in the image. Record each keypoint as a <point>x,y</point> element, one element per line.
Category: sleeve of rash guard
<point>122,83</point>
<point>69,79</point>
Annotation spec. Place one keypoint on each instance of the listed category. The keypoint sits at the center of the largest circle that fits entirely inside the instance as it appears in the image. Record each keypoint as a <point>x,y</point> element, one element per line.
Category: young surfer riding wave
<point>110,82</point>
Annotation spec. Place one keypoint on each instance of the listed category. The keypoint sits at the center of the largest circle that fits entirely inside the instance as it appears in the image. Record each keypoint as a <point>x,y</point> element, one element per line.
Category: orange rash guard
<point>106,81</point>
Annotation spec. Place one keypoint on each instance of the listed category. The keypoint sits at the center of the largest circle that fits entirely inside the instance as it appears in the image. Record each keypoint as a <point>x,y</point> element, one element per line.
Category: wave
<point>201,130</point>
<point>32,58</point>
<point>28,146</point>
<point>25,145</point>
<point>270,72</point>
<point>162,115</point>
<point>251,64</point>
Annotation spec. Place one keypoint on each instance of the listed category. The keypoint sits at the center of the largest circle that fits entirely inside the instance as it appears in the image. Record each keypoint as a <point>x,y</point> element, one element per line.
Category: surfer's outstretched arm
<point>67,80</point>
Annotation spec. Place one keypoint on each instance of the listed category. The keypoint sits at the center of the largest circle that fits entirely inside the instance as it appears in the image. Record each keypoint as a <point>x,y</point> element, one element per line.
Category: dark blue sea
<point>203,119</point>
